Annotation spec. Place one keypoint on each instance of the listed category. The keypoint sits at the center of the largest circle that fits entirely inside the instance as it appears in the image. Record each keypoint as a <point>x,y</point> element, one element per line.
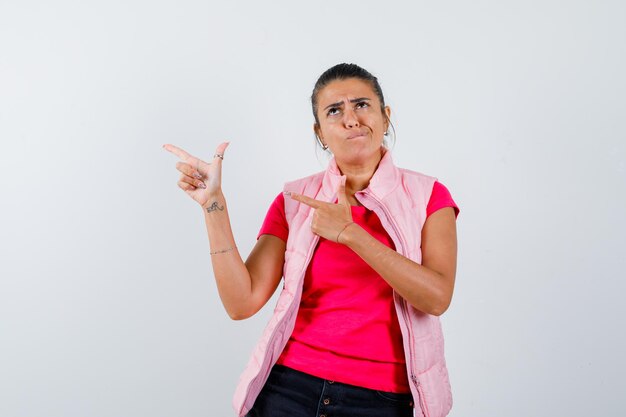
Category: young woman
<point>367,252</point>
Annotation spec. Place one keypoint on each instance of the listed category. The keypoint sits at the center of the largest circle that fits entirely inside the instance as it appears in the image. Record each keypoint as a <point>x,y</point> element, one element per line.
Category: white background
<point>108,305</point>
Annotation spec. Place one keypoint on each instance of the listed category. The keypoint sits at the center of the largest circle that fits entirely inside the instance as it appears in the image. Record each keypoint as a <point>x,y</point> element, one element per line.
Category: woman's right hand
<point>199,179</point>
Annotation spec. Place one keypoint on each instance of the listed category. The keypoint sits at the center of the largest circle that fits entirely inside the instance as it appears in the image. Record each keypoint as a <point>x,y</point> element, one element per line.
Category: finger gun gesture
<point>199,179</point>
<point>329,219</point>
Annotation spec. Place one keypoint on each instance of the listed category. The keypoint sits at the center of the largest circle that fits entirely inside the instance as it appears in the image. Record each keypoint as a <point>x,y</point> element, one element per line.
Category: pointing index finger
<point>311,202</point>
<point>177,151</point>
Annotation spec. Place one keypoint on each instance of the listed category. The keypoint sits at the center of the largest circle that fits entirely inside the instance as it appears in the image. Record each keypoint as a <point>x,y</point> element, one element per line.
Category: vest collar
<point>383,181</point>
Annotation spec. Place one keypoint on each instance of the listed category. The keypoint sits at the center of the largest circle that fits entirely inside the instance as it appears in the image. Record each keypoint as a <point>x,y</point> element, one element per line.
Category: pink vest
<point>399,198</point>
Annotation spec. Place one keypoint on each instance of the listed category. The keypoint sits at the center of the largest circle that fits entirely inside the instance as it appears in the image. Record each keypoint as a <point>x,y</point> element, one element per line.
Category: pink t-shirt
<point>347,329</point>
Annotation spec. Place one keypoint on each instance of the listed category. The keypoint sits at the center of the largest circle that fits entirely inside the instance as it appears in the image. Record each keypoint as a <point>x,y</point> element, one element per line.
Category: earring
<point>386,133</point>
<point>324,146</point>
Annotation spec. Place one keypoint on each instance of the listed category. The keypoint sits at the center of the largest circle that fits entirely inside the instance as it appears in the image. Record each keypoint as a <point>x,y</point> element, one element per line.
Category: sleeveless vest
<point>399,198</point>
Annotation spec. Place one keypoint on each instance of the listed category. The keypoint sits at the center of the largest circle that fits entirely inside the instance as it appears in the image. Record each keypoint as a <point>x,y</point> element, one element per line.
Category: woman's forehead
<point>349,88</point>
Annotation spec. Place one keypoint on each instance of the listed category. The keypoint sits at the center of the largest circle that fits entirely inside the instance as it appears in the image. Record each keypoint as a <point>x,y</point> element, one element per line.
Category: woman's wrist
<point>343,230</point>
<point>214,201</point>
<point>350,234</point>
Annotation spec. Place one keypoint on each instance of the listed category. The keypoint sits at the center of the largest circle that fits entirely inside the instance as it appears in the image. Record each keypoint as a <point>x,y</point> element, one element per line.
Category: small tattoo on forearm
<point>214,207</point>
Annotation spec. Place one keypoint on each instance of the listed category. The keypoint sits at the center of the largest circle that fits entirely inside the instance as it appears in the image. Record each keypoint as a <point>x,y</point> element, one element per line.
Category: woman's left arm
<point>427,287</point>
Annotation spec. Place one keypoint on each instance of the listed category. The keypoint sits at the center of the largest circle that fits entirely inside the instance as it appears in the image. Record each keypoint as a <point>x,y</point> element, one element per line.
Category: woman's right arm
<point>243,287</point>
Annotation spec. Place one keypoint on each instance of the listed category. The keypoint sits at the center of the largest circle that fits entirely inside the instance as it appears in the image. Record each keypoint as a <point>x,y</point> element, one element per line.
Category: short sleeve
<point>275,222</point>
<point>440,198</point>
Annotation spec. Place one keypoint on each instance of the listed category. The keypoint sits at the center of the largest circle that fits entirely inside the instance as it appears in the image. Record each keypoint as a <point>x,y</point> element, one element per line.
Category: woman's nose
<point>350,119</point>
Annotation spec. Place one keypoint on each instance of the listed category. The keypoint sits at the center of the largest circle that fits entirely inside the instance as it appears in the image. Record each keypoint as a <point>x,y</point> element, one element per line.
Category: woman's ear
<point>317,130</point>
<point>388,117</point>
<point>318,136</point>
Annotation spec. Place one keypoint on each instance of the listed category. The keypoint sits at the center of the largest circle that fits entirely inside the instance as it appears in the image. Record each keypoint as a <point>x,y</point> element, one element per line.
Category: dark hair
<point>342,72</point>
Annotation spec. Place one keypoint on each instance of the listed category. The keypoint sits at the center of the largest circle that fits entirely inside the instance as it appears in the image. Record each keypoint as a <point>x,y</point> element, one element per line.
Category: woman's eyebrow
<point>340,103</point>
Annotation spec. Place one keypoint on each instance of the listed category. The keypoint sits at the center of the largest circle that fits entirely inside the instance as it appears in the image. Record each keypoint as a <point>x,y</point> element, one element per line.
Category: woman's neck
<point>358,176</point>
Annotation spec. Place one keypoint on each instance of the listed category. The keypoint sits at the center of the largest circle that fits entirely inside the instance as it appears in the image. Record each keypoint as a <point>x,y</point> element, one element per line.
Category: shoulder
<point>417,182</point>
<point>416,175</point>
<point>436,195</point>
<point>441,198</point>
<point>308,185</point>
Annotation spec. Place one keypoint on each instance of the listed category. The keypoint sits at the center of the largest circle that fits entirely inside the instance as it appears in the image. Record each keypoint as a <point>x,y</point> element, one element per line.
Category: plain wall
<point>108,305</point>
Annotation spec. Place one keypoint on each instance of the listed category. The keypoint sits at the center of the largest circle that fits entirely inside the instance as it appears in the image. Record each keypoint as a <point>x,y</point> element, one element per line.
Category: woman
<point>368,255</point>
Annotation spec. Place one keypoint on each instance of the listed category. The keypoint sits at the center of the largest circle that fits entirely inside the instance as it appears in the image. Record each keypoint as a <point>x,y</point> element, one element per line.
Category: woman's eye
<point>362,104</point>
<point>333,111</point>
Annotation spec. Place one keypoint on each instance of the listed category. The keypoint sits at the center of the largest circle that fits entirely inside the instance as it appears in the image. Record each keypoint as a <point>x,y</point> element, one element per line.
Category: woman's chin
<point>360,155</point>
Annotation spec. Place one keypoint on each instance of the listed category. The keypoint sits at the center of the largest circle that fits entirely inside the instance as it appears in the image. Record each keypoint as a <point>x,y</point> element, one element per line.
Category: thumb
<point>342,197</point>
<point>219,152</point>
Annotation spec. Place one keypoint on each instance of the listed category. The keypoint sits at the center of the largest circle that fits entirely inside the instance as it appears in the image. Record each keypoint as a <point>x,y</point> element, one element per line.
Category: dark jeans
<point>291,393</point>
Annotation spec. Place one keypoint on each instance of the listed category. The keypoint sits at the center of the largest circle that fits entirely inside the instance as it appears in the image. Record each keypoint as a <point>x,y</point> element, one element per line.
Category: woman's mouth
<point>356,135</point>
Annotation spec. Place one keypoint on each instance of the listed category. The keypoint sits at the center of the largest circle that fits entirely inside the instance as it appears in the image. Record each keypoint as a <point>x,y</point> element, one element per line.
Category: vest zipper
<point>420,393</point>
<point>404,309</point>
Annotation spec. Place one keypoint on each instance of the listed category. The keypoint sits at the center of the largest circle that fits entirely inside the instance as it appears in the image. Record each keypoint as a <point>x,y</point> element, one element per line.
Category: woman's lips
<point>356,135</point>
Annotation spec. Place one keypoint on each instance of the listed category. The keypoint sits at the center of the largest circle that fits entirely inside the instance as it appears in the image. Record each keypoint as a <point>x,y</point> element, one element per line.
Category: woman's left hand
<point>329,219</point>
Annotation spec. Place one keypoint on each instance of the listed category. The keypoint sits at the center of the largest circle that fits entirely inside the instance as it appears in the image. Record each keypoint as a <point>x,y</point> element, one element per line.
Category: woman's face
<point>351,121</point>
